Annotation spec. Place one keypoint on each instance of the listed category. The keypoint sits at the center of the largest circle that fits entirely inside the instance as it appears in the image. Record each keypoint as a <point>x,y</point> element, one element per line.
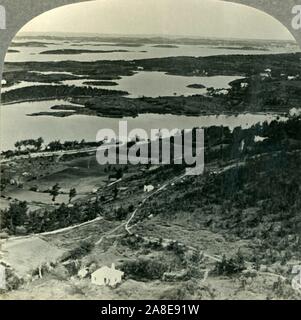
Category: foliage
<point>230,266</point>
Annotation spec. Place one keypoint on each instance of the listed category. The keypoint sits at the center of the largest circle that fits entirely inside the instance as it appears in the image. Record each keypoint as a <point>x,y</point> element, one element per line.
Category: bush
<point>81,250</point>
<point>144,268</point>
<point>232,266</point>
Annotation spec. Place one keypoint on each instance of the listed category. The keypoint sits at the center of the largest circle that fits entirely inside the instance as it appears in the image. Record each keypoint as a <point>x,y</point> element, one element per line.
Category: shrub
<point>230,266</point>
<point>144,268</point>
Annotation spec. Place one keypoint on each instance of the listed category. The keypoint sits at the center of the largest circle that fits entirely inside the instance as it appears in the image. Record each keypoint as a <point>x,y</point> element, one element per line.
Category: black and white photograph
<point>151,150</point>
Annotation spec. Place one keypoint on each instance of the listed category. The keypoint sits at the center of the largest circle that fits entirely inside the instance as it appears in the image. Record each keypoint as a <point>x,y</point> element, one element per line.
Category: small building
<point>106,276</point>
<point>222,92</point>
<point>291,78</point>
<point>149,188</point>
<point>25,174</point>
<point>295,112</point>
<point>83,273</point>
<point>265,75</point>
<point>259,139</point>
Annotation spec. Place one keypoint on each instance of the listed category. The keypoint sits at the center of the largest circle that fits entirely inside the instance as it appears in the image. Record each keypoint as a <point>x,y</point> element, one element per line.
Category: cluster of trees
<point>55,191</point>
<point>223,145</point>
<point>14,217</point>
<point>30,144</point>
<point>57,145</point>
<point>231,266</point>
<point>35,145</point>
<point>18,219</point>
<point>145,269</point>
<point>257,199</point>
<point>121,213</point>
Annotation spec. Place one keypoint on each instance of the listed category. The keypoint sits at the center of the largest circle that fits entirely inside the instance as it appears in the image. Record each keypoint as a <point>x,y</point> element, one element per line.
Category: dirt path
<point>58,231</point>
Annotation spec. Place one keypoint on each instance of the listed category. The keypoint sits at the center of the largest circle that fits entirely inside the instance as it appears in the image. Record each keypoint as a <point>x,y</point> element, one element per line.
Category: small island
<point>244,48</point>
<point>33,44</point>
<point>79,51</point>
<point>101,83</point>
<point>171,46</point>
<point>196,86</point>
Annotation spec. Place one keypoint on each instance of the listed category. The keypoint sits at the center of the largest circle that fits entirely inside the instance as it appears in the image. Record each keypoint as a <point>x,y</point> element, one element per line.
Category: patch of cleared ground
<point>26,255</point>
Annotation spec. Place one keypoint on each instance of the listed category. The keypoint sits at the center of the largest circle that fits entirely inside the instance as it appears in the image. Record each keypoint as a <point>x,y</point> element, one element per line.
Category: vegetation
<point>72,194</point>
<point>54,192</point>
<point>15,216</point>
<point>259,91</point>
<point>144,268</point>
<point>231,266</point>
<point>30,145</point>
<point>54,92</point>
<point>256,198</point>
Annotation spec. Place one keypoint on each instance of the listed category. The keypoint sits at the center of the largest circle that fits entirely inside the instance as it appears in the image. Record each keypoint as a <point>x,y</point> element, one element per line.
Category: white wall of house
<point>106,276</point>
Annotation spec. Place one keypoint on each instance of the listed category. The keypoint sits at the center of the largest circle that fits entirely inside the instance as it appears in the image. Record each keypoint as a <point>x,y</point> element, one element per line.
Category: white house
<point>149,188</point>
<point>295,112</point>
<point>106,276</point>
<point>242,146</point>
<point>83,273</point>
<point>291,78</point>
<point>259,139</point>
<point>95,190</point>
<point>265,75</point>
<point>3,82</point>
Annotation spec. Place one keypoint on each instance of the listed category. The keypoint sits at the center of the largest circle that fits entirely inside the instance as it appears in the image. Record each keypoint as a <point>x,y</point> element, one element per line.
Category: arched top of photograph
<point>133,29</point>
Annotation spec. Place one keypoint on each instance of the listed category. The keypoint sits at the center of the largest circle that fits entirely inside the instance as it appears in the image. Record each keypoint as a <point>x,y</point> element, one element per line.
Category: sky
<point>201,18</point>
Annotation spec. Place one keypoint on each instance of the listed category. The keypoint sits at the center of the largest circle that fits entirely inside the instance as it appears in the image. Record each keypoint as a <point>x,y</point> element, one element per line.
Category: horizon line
<point>91,34</point>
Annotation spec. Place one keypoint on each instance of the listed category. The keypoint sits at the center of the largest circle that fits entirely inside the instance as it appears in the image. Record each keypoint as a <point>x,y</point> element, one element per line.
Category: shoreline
<point>207,113</point>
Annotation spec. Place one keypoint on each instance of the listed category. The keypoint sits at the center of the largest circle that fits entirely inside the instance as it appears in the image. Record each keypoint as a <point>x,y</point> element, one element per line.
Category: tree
<point>18,145</point>
<point>55,145</point>
<point>54,192</point>
<point>72,194</point>
<point>38,144</point>
<point>15,215</point>
<point>119,174</point>
<point>115,192</point>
